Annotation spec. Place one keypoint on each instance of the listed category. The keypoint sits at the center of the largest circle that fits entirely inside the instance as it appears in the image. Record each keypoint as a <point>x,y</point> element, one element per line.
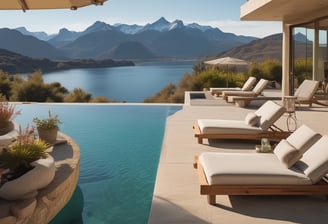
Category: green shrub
<point>23,152</point>
<point>48,123</point>
<point>78,95</point>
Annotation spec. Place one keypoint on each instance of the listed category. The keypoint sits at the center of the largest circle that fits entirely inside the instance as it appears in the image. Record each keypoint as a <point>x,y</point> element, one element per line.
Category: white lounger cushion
<point>214,126</point>
<point>248,93</point>
<point>314,162</point>
<point>249,169</point>
<point>306,90</point>
<point>260,86</point>
<point>269,112</point>
<point>258,89</point>
<point>217,89</point>
<point>248,85</point>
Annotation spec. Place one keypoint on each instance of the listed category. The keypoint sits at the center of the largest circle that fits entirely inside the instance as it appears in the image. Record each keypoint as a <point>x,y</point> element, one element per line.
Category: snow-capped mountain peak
<point>199,27</point>
<point>176,24</point>
<point>160,25</point>
<point>128,29</point>
<point>98,26</point>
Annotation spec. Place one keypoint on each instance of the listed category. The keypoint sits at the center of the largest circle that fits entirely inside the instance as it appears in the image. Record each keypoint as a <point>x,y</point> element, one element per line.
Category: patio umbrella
<point>226,61</point>
<point>46,4</point>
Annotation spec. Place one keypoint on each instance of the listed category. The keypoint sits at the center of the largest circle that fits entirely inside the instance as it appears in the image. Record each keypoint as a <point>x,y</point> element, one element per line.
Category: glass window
<point>302,53</point>
<point>304,49</point>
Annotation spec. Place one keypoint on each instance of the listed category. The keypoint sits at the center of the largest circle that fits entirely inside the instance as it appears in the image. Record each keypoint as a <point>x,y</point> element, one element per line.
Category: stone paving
<point>176,195</point>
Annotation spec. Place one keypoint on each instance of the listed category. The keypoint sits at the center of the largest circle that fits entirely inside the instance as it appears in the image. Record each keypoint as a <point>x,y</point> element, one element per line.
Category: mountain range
<point>158,40</point>
<point>269,47</point>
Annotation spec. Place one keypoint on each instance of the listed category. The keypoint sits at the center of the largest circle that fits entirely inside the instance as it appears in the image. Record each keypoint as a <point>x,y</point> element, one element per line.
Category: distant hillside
<point>13,40</point>
<point>268,48</point>
<point>64,37</point>
<point>14,63</point>
<point>94,44</point>
<point>40,35</point>
<point>258,50</point>
<point>129,50</point>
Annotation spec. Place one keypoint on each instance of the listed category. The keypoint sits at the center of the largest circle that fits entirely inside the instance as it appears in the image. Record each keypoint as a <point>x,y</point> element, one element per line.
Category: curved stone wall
<point>50,200</point>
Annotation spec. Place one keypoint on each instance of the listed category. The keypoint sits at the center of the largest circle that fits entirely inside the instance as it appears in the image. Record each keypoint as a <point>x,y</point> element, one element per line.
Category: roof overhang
<point>46,4</point>
<point>288,11</point>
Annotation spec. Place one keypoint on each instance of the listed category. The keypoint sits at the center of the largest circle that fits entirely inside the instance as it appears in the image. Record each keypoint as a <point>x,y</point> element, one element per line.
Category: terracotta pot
<point>49,136</point>
<point>27,185</point>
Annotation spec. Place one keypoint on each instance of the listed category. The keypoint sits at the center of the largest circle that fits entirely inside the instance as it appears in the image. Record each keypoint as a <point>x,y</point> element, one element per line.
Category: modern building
<point>303,22</point>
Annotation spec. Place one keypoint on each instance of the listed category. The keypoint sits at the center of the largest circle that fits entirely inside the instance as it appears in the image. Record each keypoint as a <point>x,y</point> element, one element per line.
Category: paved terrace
<point>176,194</point>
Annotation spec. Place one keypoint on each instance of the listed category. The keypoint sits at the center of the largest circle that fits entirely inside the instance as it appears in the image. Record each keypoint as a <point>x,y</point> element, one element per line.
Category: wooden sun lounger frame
<point>244,101</point>
<point>274,133</point>
<point>321,188</point>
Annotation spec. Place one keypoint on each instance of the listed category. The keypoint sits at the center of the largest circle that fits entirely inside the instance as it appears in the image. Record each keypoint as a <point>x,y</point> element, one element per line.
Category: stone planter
<point>27,186</point>
<point>9,134</point>
<point>49,136</point>
<point>7,128</point>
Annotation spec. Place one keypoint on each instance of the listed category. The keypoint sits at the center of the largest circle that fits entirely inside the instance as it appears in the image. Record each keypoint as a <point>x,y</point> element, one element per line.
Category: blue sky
<point>223,14</point>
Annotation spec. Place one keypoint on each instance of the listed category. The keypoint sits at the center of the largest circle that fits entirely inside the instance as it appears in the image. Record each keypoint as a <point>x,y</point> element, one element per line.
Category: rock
<point>23,209</point>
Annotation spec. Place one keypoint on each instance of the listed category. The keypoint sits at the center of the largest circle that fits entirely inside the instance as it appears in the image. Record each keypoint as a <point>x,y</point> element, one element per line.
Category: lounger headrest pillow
<point>252,119</point>
<point>300,140</point>
<point>303,138</point>
<point>286,153</point>
<point>269,112</point>
<point>314,162</point>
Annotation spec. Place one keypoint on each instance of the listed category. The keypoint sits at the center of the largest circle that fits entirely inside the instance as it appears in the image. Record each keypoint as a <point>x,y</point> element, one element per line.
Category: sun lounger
<point>244,101</point>
<point>257,125</point>
<point>304,95</point>
<point>297,166</point>
<point>256,91</point>
<point>305,92</point>
<point>248,85</point>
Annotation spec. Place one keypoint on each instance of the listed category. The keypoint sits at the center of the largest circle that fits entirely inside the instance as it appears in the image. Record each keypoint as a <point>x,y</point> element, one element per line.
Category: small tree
<point>78,95</point>
<point>5,85</point>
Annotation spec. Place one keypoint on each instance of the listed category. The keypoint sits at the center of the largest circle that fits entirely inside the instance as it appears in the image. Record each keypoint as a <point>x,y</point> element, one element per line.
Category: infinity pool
<point>120,148</point>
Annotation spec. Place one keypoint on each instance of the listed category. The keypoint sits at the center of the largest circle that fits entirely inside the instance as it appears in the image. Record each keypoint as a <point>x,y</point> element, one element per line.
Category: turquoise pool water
<point>120,148</point>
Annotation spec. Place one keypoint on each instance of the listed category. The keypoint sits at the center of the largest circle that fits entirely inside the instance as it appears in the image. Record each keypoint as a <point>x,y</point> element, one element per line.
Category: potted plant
<point>25,167</point>
<point>48,127</point>
<point>7,114</point>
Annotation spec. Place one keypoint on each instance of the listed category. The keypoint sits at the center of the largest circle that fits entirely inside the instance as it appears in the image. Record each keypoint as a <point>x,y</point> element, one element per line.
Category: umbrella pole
<point>227,85</point>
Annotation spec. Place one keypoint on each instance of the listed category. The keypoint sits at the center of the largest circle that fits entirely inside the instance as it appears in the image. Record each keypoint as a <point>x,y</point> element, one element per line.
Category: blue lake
<point>131,84</point>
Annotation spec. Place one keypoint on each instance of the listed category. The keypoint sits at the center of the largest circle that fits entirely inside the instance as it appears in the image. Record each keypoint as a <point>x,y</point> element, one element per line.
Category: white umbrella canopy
<point>226,61</point>
<point>46,4</point>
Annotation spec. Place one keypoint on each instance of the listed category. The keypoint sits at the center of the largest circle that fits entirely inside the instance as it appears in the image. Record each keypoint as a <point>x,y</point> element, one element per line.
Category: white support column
<point>286,49</point>
<point>315,62</point>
